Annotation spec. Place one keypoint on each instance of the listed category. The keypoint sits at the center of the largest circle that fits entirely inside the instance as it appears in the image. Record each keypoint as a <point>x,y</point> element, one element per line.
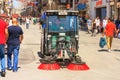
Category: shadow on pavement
<point>117,50</point>
<point>103,50</point>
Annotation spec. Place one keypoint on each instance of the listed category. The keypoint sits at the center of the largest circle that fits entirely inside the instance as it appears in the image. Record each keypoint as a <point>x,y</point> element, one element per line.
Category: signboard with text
<point>99,2</point>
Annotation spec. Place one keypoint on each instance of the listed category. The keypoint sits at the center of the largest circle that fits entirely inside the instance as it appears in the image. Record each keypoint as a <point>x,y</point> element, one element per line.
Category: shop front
<point>101,12</point>
<point>101,9</point>
<point>104,8</point>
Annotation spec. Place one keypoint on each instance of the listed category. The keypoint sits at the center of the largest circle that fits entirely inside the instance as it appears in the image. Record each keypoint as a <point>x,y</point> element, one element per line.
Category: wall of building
<point>118,6</point>
<point>104,9</point>
<point>99,8</point>
<point>92,9</point>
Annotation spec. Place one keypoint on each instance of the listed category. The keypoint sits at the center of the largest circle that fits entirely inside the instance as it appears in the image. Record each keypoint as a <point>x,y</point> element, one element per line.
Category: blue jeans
<point>2,57</point>
<point>15,51</point>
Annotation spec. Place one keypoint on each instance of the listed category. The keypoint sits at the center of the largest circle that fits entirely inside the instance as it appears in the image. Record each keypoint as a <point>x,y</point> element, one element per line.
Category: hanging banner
<point>81,6</point>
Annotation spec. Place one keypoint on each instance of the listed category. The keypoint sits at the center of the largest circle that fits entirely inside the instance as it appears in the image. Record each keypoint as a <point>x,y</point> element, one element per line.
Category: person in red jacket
<point>109,32</point>
<point>3,37</point>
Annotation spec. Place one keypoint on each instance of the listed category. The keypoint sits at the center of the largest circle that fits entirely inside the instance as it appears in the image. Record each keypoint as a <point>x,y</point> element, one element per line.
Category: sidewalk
<point>103,65</point>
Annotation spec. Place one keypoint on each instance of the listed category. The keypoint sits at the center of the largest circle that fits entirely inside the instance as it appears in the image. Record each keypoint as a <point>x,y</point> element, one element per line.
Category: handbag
<point>102,42</point>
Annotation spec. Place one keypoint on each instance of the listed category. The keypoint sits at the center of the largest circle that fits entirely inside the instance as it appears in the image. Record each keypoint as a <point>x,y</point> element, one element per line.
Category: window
<point>63,1</point>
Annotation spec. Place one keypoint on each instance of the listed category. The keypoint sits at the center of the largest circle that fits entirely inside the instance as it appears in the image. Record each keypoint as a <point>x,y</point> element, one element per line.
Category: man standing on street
<point>109,31</point>
<point>15,37</point>
<point>3,38</point>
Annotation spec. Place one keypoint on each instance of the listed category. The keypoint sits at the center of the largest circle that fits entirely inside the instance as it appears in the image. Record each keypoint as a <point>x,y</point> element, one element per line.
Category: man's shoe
<point>109,50</point>
<point>9,69</point>
<point>14,70</point>
<point>3,73</point>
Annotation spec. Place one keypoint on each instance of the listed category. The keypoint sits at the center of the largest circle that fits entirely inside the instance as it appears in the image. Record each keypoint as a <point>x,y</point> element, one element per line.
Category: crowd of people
<point>11,36</point>
<point>27,20</point>
<point>95,26</point>
<point>108,27</point>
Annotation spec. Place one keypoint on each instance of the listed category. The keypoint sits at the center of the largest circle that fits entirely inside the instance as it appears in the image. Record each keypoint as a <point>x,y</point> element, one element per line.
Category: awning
<point>4,15</point>
<point>15,15</point>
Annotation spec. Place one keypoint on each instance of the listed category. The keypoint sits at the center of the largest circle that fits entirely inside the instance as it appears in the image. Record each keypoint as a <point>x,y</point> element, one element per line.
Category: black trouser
<point>94,32</point>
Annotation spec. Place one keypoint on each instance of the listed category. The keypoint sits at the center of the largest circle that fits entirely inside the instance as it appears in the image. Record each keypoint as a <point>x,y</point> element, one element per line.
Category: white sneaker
<point>109,50</point>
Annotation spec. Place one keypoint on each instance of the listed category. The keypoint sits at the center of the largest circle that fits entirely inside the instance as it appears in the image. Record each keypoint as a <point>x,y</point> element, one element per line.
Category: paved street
<point>103,65</point>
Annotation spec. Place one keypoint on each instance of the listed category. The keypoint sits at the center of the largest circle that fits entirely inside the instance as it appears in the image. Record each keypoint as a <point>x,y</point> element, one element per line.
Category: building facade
<point>118,7</point>
<point>104,8</point>
<point>1,6</point>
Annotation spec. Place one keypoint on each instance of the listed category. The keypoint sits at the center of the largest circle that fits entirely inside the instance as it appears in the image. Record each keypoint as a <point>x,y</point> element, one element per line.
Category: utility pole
<point>108,9</point>
<point>11,7</point>
<point>116,10</point>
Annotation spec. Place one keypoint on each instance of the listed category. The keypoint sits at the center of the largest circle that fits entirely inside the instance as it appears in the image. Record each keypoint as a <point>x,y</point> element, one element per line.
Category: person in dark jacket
<point>117,22</point>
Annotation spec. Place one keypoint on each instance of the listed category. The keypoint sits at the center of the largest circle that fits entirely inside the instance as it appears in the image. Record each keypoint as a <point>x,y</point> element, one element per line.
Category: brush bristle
<point>73,66</point>
<point>49,66</point>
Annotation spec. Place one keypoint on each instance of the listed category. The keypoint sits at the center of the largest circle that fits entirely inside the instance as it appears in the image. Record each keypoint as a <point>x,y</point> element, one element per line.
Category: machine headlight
<point>49,36</point>
<point>77,37</point>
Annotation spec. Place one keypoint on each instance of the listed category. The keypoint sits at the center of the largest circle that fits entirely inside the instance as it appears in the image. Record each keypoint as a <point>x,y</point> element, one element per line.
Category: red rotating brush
<point>77,66</point>
<point>49,66</point>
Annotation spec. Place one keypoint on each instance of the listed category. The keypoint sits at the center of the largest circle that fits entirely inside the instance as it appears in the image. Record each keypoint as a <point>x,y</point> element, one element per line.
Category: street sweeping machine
<point>60,41</point>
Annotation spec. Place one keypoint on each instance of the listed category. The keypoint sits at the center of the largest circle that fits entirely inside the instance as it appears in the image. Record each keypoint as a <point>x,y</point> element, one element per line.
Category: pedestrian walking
<point>94,28</point>
<point>117,22</point>
<point>3,38</point>
<point>27,22</point>
<point>97,21</point>
<point>34,20</point>
<point>118,32</point>
<point>104,23</point>
<point>109,32</point>
<point>10,21</point>
<point>13,45</point>
<point>20,20</point>
<point>89,25</point>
